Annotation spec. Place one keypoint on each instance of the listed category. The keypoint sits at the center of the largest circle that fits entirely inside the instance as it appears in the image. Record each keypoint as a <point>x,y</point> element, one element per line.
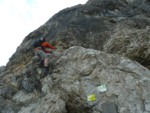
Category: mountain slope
<point>80,72</point>
<point>101,44</point>
<point>114,26</point>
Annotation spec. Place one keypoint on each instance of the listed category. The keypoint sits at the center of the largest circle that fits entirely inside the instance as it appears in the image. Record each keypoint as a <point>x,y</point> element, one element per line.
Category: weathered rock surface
<point>2,69</point>
<point>104,44</point>
<point>135,44</point>
<point>8,106</point>
<point>113,26</point>
<point>78,73</point>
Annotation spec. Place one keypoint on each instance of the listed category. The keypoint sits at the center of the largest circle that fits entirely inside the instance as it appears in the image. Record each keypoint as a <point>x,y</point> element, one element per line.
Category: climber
<point>41,50</point>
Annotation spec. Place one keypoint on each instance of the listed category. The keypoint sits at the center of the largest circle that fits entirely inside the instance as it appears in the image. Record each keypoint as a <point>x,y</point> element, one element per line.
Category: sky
<point>20,17</point>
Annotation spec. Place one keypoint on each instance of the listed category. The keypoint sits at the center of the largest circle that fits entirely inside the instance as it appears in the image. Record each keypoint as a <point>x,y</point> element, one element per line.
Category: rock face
<point>103,65</point>
<point>86,70</point>
<point>114,26</point>
<point>81,72</point>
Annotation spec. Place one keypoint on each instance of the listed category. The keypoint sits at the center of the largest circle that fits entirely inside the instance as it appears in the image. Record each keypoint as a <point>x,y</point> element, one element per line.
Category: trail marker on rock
<point>91,97</point>
<point>102,88</point>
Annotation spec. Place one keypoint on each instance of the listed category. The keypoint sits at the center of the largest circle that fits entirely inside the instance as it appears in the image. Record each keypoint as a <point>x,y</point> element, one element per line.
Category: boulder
<point>80,72</point>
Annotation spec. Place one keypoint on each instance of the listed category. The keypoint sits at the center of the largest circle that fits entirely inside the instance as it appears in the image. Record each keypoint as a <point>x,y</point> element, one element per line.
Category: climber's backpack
<point>36,44</point>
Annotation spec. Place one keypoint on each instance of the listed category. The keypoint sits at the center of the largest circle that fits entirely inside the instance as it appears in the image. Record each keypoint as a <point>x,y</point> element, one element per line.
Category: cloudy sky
<point>20,17</point>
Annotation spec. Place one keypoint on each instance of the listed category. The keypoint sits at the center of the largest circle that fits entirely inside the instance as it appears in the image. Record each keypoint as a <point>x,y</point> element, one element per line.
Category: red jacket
<point>47,45</point>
